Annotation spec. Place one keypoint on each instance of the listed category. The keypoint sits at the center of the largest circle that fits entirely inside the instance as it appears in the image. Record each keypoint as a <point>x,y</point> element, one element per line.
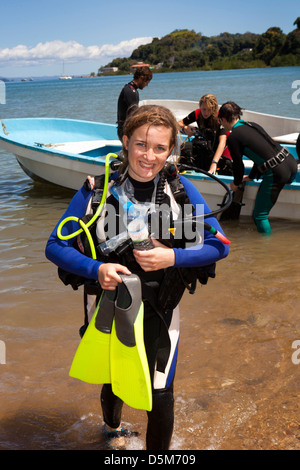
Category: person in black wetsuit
<point>272,162</point>
<point>207,147</point>
<point>129,96</point>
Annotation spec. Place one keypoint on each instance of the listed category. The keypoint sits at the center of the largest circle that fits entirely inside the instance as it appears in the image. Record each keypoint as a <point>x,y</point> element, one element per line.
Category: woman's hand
<point>234,187</point>
<point>218,154</point>
<point>159,257</point>
<point>246,178</point>
<point>108,275</point>
<point>213,167</point>
<point>189,131</point>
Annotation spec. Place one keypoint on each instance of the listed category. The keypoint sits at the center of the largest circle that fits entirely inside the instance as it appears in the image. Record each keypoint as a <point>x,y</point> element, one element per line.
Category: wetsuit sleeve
<point>254,173</point>
<point>61,252</point>
<point>236,149</point>
<point>221,131</point>
<point>212,249</point>
<point>190,118</point>
<point>131,98</point>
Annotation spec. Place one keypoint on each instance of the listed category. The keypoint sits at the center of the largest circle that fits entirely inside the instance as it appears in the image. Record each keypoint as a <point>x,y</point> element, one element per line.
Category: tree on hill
<point>297,22</point>
<point>269,44</point>
<point>187,50</point>
<point>290,52</point>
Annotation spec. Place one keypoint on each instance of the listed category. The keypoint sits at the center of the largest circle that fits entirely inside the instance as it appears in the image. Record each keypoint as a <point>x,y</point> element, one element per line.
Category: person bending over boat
<point>129,96</point>
<point>150,136</point>
<point>272,162</point>
<point>207,148</point>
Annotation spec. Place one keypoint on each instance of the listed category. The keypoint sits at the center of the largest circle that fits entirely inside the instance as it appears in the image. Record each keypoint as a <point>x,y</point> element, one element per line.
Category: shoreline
<point>116,74</point>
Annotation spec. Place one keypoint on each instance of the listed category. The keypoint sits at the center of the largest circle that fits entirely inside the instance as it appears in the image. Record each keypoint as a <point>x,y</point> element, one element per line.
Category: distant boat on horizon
<point>64,76</point>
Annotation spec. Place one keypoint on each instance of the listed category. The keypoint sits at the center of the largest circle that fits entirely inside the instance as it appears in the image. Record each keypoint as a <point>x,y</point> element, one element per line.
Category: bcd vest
<point>173,281</point>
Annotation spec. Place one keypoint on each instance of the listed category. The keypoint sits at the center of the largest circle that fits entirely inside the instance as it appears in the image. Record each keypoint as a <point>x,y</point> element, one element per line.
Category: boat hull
<point>55,169</point>
<point>286,207</point>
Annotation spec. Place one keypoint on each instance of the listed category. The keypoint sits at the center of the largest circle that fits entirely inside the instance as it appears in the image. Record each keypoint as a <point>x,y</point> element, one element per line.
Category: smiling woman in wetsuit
<point>273,163</point>
<point>150,136</point>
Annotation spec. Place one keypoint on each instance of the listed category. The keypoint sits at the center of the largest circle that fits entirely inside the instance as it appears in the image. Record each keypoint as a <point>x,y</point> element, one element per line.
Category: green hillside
<point>187,50</point>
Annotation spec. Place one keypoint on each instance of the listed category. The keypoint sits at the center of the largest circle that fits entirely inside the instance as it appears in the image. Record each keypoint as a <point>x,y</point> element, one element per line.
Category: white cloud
<point>70,51</point>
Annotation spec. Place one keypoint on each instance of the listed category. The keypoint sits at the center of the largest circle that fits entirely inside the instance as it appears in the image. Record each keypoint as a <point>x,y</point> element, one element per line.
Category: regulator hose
<point>85,227</point>
<point>171,169</point>
<point>184,167</point>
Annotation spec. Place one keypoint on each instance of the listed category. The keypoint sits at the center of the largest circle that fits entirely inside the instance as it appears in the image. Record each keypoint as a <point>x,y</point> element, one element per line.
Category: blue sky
<point>38,37</point>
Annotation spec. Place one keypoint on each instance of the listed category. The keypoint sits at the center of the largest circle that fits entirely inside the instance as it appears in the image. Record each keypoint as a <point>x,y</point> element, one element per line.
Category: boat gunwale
<point>60,153</point>
<point>295,185</point>
<point>148,101</point>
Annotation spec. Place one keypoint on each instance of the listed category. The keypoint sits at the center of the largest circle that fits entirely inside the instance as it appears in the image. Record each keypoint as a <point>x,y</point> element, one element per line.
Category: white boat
<point>65,76</point>
<point>284,130</point>
<point>65,151</point>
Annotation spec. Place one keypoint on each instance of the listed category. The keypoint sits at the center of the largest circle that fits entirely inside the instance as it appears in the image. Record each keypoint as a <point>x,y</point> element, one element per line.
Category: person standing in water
<point>272,162</point>
<point>150,137</point>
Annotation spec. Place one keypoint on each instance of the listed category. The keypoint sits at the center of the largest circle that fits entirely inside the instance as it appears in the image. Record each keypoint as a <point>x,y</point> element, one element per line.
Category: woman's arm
<point>184,123</point>
<point>218,154</point>
<point>62,252</point>
<point>236,151</point>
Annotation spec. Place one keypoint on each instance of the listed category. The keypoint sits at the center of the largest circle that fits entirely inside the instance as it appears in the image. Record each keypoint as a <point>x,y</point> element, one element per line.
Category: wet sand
<point>236,386</point>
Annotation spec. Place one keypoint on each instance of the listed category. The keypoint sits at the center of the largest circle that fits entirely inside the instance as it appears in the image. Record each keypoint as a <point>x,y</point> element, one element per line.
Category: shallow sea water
<point>236,386</point>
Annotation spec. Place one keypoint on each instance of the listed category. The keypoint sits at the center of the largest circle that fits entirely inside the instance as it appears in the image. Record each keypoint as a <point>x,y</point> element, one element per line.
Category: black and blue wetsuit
<point>160,330</point>
<point>251,140</point>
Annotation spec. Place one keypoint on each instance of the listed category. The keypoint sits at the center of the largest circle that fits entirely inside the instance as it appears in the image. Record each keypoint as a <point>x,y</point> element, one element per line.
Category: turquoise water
<point>95,99</point>
<point>236,385</point>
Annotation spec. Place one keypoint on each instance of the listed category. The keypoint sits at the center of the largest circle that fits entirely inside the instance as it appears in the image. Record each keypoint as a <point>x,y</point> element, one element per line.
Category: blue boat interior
<point>102,151</point>
<point>50,131</point>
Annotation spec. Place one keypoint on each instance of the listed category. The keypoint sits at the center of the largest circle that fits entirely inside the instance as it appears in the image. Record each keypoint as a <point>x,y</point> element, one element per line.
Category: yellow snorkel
<point>85,227</point>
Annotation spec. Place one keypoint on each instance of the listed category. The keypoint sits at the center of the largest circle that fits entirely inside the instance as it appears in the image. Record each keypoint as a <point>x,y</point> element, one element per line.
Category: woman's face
<point>206,111</point>
<point>148,149</point>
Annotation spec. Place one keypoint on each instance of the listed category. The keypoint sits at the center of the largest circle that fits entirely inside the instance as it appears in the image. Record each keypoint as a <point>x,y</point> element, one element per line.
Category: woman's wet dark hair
<point>230,111</point>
